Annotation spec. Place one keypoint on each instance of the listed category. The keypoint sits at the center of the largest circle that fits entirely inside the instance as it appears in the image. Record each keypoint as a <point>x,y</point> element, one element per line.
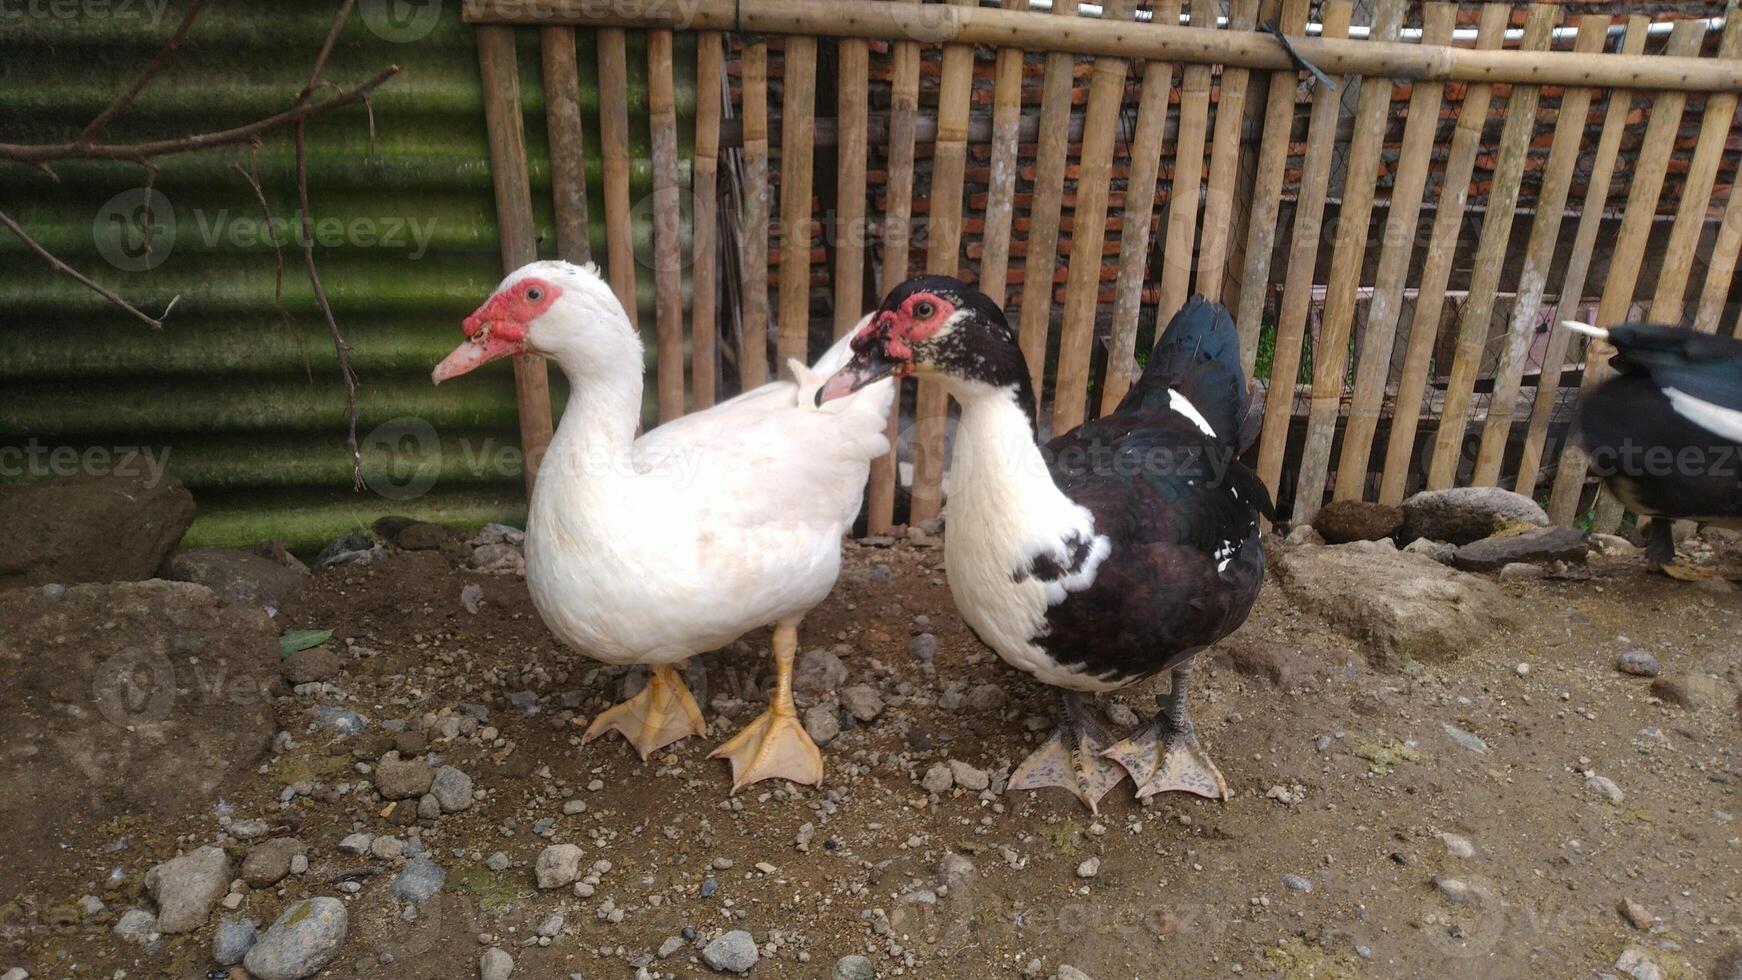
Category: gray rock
<point>818,672</point>
<point>232,940</point>
<point>1461,515</point>
<point>1458,846</point>
<point>985,697</point>
<point>1604,787</point>
<point>269,862</point>
<point>1636,915</point>
<point>969,777</point>
<point>853,967</point>
<point>497,862</point>
<point>552,926</point>
<point>186,887</point>
<point>938,778</point>
<point>428,807</point>
<point>1439,551</point>
<point>1069,972</point>
<point>822,723</point>
<point>343,721</point>
<point>90,528</point>
<point>1457,891</point>
<point>136,926</point>
<point>863,701</point>
<point>305,937</point>
<point>1639,663</point>
<point>402,779</point>
<point>1638,964</point>
<point>1395,603</point>
<point>1529,547</point>
<point>356,843</point>
<point>243,577</point>
<point>1466,739</point>
<point>1089,868</point>
<point>558,866</point>
<point>734,952</point>
<point>308,666</point>
<point>419,880</point>
<point>923,647</point>
<point>955,870</point>
<point>387,847</point>
<point>670,947</point>
<point>1297,883</point>
<point>452,789</point>
<point>16,973</point>
<point>495,965</point>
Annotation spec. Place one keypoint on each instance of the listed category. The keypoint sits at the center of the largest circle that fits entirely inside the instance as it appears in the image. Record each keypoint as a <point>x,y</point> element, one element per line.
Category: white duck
<point>652,550</point>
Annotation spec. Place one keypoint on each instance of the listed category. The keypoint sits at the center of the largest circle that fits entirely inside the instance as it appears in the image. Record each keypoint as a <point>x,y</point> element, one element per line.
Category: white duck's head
<point>552,309</point>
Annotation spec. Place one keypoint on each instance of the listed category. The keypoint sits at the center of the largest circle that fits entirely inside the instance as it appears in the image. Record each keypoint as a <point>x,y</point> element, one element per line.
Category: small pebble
<point>1089,868</point>
<point>1638,663</point>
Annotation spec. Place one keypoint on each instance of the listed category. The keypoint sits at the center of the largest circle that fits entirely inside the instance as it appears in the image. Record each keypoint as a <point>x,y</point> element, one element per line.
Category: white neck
<point>603,411</point>
<point>999,481</point>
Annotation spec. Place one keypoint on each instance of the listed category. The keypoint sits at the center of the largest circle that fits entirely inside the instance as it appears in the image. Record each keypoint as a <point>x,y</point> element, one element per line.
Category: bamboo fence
<point>1391,270</point>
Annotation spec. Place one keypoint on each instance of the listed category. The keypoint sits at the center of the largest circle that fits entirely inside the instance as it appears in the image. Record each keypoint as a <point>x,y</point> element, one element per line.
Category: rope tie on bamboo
<point>1300,61</point>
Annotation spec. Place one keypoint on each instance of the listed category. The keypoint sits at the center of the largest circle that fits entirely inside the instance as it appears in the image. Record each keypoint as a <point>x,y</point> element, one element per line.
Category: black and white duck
<point>1113,552</point>
<point>1665,434</point>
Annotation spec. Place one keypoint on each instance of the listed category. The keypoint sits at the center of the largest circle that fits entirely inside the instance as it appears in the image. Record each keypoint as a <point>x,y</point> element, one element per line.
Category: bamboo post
<point>1569,132</point>
<point>1135,222</point>
<point>943,258</point>
<point>1001,185</point>
<point>1594,207</point>
<point>1373,366</point>
<point>1478,311</point>
<point>1040,258</point>
<point>1436,267</point>
<point>1261,223</point>
<point>568,158</point>
<point>897,212</point>
<point>1348,255</point>
<point>1246,171</point>
<point>887,19</point>
<point>614,152</point>
<point>797,152</point>
<point>507,135</point>
<point>753,80</point>
<point>1702,173</point>
<point>667,228</point>
<point>1218,230</point>
<point>704,209</point>
<point>851,113</point>
<point>1629,250</point>
<point>1088,229</point>
<point>1177,257</point>
<point>1726,252</point>
<point>1303,256</point>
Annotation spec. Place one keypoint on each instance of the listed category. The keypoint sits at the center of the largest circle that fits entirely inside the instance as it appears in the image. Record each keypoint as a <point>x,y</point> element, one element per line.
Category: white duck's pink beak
<point>477,350</point>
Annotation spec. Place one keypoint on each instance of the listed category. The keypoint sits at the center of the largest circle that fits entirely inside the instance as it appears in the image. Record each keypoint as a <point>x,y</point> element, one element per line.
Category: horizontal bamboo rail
<point>953,24</point>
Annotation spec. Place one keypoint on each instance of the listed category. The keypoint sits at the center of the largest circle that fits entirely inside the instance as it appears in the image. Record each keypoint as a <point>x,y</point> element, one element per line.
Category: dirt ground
<point>1324,863</point>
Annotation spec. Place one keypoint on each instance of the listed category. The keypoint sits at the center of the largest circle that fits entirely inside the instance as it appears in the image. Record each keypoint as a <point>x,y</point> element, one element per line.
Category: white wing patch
<point>1184,406</point>
<point>1716,419</point>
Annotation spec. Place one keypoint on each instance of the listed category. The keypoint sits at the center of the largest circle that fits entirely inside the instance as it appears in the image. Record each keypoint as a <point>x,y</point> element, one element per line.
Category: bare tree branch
<point>252,177</point>
<point>340,347</point>
<point>155,323</point>
<point>164,53</point>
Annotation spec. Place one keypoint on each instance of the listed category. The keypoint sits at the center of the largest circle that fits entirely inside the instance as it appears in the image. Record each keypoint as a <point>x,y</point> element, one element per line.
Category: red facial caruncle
<point>498,328</point>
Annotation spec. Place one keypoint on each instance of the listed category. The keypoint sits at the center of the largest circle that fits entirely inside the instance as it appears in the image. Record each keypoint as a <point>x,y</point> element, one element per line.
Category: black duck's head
<point>939,328</point>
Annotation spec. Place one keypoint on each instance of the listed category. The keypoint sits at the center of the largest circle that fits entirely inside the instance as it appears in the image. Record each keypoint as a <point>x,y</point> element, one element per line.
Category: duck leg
<point>661,714</point>
<point>775,744</point>
<point>1165,755</point>
<point>1660,542</point>
<point>1071,758</point>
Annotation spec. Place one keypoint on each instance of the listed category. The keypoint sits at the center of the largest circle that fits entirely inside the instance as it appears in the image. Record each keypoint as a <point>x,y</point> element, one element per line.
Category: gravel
<point>305,937</point>
<point>734,952</point>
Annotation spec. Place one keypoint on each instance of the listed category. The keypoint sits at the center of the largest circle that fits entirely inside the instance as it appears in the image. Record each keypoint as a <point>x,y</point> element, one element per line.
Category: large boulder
<point>1539,545</point>
<point>1461,515</point>
<point>85,528</point>
<point>245,577</point>
<point>1397,603</point>
<point>128,699</point>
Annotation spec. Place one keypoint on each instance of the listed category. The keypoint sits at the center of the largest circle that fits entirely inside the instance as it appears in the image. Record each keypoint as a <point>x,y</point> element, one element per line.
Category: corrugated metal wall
<point>406,245</point>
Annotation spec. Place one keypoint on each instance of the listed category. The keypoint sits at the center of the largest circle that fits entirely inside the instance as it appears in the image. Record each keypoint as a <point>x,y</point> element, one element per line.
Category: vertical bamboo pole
<point>943,258</point>
<point>667,228</point>
<point>1436,265</point>
<point>1726,252</point>
<point>1303,256</point>
<point>568,159</point>
<point>1218,231</point>
<point>897,212</point>
<point>704,209</point>
<point>1630,242</point>
<point>1579,260</point>
<point>1261,223</point>
<point>1563,154</point>
<point>1136,219</point>
<point>1478,312</point>
<point>1348,255</point>
<point>1702,173</point>
<point>1373,366</point>
<point>851,113</point>
<point>614,151</point>
<point>797,152</point>
<point>1001,186</point>
<point>1177,257</point>
<point>1040,259</point>
<point>1258,90</point>
<point>507,134</point>
<point>753,80</point>
<point>1088,228</point>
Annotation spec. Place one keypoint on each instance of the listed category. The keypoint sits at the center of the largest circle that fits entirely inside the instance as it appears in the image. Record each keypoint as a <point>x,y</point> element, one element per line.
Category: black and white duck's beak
<point>1588,329</point>
<point>869,365</point>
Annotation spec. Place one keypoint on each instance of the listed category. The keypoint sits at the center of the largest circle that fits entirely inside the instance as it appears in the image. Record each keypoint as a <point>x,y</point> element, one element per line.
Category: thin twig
<point>252,178</point>
<point>61,267</point>
<point>164,53</point>
<point>340,347</point>
<point>140,152</point>
<point>320,65</point>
